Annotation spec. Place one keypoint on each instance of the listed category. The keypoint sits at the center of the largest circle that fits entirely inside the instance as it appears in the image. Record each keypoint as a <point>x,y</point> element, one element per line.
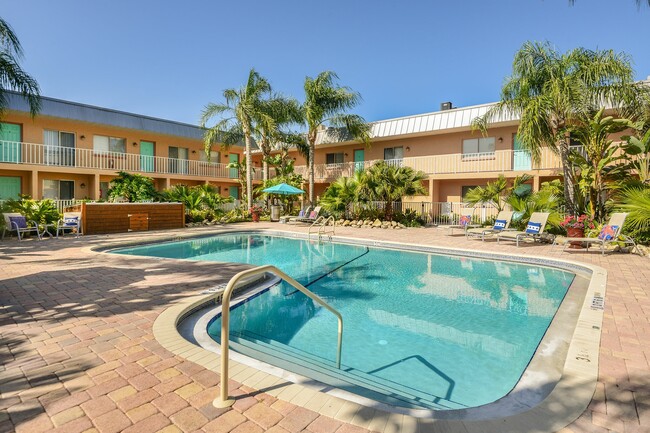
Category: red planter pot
<point>256,217</point>
<point>575,233</point>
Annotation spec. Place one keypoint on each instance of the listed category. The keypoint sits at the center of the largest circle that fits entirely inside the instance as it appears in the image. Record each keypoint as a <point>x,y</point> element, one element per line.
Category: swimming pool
<point>421,330</point>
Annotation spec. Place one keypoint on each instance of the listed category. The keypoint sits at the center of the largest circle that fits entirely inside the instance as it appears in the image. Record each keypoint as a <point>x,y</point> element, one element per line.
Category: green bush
<point>41,211</point>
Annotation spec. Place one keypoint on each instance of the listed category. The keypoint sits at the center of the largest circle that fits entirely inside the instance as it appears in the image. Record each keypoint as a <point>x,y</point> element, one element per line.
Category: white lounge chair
<point>501,223</point>
<point>313,216</point>
<point>15,222</point>
<point>534,229</point>
<point>464,220</point>
<point>610,233</point>
<point>70,222</point>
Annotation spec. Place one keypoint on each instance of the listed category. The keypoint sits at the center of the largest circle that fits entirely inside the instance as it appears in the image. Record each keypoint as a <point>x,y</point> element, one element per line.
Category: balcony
<point>500,161</point>
<point>56,156</point>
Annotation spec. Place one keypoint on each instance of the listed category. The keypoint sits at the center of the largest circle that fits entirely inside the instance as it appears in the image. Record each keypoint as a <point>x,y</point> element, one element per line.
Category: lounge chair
<point>611,232</point>
<point>15,222</point>
<point>534,229</point>
<point>70,222</point>
<point>464,221</point>
<point>313,216</point>
<point>501,223</point>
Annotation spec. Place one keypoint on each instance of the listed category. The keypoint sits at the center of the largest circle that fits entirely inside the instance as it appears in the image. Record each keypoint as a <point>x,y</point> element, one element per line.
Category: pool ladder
<point>223,400</point>
<point>323,227</point>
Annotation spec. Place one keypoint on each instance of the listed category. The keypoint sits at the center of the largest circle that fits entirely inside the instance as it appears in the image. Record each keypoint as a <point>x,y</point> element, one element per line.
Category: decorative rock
<point>377,223</point>
<point>393,223</point>
<point>400,225</point>
<point>346,223</point>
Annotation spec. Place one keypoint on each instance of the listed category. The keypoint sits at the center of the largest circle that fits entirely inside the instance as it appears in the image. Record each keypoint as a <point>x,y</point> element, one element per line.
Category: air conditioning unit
<point>445,106</point>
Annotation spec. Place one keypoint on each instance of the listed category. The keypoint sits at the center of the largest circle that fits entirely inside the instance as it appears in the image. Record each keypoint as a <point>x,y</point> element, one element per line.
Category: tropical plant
<point>12,76</point>
<point>132,187</point>
<point>636,152</point>
<point>497,192</point>
<point>596,161</point>
<point>238,115</point>
<point>544,200</point>
<point>201,202</point>
<point>326,104</point>
<point>388,183</point>
<point>551,91</point>
<point>40,211</point>
<point>578,222</point>
<point>339,195</point>
<point>636,201</point>
<point>242,175</point>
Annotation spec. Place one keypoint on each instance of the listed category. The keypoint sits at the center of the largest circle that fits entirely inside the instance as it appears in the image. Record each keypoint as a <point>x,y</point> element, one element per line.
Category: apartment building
<point>442,145</point>
<point>72,150</point>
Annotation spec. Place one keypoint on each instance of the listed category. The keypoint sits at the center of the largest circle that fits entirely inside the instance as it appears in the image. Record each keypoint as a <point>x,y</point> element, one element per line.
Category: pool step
<point>325,371</point>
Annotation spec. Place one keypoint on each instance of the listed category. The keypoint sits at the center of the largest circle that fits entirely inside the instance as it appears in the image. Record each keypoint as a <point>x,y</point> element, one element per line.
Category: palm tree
<point>242,110</point>
<point>497,192</point>
<point>326,104</point>
<point>551,91</point>
<point>12,77</point>
<point>388,183</point>
<point>278,113</point>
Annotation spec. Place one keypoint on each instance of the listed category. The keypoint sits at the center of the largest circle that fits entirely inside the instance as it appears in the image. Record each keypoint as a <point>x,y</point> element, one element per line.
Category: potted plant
<point>255,211</point>
<point>575,227</point>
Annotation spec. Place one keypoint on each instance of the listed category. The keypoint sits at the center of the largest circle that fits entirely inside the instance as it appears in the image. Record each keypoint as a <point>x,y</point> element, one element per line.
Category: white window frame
<point>335,156</point>
<point>485,148</point>
<point>392,149</point>
<point>58,188</point>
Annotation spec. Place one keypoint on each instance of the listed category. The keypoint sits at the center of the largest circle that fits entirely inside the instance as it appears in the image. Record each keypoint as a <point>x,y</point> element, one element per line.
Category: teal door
<point>521,157</point>
<point>9,187</point>
<point>359,158</point>
<point>146,156</point>
<point>234,192</point>
<point>234,173</point>
<point>10,136</point>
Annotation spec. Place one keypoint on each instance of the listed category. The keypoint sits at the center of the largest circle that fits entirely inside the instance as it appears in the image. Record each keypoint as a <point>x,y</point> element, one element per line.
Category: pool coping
<point>568,399</point>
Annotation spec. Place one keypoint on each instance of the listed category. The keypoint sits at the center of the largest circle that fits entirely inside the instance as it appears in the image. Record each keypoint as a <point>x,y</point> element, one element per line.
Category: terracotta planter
<point>575,233</point>
<point>256,217</point>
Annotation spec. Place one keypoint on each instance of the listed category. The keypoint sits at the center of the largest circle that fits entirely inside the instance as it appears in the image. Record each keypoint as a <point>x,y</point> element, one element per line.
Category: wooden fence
<point>104,218</point>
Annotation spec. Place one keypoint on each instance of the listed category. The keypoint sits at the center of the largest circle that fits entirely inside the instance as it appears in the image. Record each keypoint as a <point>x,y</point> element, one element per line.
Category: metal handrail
<point>223,400</point>
<point>321,230</point>
<point>316,223</point>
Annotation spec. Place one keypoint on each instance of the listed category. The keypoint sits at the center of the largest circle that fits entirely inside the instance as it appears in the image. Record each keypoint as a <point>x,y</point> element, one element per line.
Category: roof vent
<point>445,106</point>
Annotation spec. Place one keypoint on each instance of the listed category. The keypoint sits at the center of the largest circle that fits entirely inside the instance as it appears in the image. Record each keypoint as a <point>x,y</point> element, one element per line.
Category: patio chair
<point>70,222</point>
<point>313,216</point>
<point>292,218</point>
<point>534,229</point>
<point>15,222</point>
<point>501,223</point>
<point>610,233</point>
<point>465,221</point>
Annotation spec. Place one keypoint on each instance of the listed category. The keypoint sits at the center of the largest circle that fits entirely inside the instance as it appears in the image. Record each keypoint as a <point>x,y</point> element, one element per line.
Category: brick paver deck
<point>78,352</point>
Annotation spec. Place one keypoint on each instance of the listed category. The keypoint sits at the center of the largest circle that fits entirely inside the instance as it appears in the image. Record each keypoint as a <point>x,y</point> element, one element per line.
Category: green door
<point>146,156</point>
<point>359,157</point>
<point>234,192</point>
<point>10,136</point>
<point>521,157</point>
<point>9,187</point>
<point>234,174</point>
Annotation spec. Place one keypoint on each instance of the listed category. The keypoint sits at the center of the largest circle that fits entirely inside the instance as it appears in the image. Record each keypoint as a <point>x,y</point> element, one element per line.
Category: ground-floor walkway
<point>78,352</point>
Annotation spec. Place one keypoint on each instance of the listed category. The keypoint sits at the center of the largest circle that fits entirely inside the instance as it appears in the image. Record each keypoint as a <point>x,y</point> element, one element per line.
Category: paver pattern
<point>78,352</point>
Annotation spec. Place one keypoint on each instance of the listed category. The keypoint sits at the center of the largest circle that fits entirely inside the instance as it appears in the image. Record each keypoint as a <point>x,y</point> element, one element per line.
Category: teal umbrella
<point>283,189</point>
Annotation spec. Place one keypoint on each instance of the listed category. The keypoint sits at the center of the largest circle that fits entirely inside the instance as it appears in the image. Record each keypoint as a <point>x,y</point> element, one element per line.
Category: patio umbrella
<point>283,189</point>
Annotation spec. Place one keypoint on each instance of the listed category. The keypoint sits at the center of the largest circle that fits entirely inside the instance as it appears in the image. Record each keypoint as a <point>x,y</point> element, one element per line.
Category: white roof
<point>437,121</point>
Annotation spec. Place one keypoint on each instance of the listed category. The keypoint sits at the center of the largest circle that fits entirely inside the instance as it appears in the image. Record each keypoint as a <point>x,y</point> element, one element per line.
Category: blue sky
<point>169,58</point>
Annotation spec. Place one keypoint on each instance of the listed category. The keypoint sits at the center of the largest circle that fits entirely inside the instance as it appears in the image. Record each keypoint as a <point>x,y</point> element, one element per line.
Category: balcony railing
<point>45,155</point>
<point>456,163</point>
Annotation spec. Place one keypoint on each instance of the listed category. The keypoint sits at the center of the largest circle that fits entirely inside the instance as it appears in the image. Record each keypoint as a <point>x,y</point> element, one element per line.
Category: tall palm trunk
<point>569,181</point>
<point>311,173</point>
<point>249,172</point>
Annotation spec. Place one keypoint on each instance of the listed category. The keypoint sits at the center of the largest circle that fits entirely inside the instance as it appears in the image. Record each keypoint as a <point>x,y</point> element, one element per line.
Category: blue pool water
<point>420,330</point>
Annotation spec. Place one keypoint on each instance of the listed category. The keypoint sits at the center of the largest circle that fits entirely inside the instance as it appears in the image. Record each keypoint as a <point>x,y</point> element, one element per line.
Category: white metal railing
<point>440,213</point>
<point>61,205</point>
<point>498,161</point>
<point>41,154</point>
<point>322,224</point>
<point>223,400</point>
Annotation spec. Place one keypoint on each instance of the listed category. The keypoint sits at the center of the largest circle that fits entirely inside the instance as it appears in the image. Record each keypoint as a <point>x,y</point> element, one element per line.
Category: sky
<point>168,59</point>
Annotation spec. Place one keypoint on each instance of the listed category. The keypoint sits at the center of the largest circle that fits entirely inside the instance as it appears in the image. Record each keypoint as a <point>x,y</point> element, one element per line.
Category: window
<point>58,189</point>
<point>465,189</point>
<point>59,147</point>
<point>393,152</point>
<point>478,145</point>
<point>178,159</point>
<point>334,158</point>
<point>103,144</point>
<point>215,156</point>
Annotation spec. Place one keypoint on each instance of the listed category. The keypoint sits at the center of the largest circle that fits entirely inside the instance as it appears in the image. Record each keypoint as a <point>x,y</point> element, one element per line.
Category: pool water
<point>420,330</point>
